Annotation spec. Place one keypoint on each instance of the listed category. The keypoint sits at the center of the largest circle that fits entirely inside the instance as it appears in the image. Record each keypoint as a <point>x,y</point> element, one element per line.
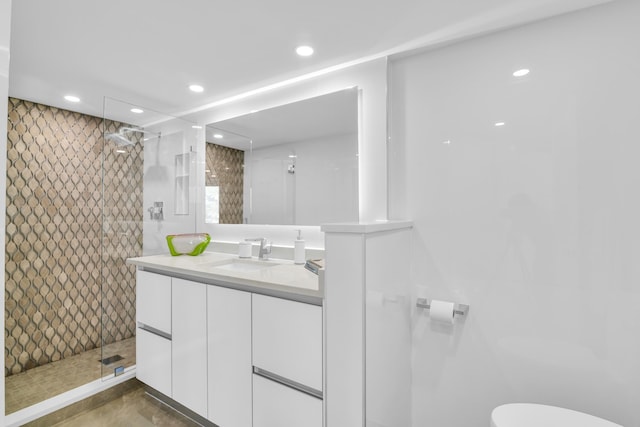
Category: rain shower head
<point>121,139</point>
<point>130,129</point>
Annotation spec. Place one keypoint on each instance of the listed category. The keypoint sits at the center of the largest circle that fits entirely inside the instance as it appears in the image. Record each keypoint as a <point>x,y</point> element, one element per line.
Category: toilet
<point>534,415</point>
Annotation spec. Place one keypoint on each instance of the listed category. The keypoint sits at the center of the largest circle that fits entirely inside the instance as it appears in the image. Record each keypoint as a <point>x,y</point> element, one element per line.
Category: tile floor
<point>134,408</point>
<point>126,405</point>
<point>38,384</point>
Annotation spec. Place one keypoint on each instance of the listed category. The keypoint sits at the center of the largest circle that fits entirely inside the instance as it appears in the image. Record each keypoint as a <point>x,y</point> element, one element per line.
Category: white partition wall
<point>367,341</point>
<point>388,308</point>
<point>534,223</point>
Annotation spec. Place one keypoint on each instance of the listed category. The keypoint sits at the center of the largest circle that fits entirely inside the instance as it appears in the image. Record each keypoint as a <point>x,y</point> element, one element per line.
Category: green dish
<point>188,244</point>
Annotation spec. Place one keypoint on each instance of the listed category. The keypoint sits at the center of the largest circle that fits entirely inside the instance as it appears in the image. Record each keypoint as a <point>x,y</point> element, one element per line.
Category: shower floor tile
<point>41,383</point>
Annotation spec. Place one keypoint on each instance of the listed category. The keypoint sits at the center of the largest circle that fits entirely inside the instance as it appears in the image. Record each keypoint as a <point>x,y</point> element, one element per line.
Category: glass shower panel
<point>148,181</point>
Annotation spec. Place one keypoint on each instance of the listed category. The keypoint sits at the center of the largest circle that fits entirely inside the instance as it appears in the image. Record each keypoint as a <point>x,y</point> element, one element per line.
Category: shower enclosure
<point>148,190</point>
<point>84,194</point>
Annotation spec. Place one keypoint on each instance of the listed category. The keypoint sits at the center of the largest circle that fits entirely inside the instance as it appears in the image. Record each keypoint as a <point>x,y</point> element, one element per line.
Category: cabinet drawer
<point>275,405</point>
<point>153,300</point>
<point>287,339</point>
<point>153,361</point>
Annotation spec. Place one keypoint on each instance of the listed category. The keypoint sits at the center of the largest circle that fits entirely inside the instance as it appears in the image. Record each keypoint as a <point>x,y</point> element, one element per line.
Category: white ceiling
<point>147,52</point>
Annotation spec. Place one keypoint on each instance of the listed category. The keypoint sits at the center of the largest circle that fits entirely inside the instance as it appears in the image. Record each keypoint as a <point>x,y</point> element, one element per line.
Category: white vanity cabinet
<point>193,345</point>
<point>153,334</point>
<point>229,356</point>
<point>234,357</point>
<point>189,344</point>
<point>171,339</point>
<point>287,363</point>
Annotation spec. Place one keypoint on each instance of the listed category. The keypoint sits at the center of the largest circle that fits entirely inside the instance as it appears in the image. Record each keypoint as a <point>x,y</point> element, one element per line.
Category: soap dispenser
<point>299,256</point>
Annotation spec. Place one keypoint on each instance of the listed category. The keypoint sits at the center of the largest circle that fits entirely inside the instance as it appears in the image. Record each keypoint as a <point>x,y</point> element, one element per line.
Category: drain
<point>109,360</point>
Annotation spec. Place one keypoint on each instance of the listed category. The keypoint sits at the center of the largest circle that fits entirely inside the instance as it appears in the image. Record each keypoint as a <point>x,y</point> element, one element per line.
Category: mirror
<point>295,164</point>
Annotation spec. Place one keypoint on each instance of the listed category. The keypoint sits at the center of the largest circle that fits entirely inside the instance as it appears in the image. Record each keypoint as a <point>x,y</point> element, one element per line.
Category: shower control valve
<point>155,212</point>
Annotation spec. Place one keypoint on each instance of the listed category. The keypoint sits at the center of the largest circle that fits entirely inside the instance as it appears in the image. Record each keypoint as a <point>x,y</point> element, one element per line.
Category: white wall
<point>323,189</point>
<point>5,35</point>
<point>534,224</point>
<point>160,184</point>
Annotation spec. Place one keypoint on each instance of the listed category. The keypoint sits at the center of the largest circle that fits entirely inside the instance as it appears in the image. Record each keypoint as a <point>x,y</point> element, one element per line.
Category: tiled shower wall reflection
<point>54,231</point>
<point>225,166</point>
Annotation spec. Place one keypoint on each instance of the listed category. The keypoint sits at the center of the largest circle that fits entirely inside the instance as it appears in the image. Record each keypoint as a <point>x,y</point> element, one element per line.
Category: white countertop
<point>284,278</point>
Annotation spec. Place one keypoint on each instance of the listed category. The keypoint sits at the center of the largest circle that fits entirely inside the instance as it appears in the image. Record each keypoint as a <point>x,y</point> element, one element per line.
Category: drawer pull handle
<point>288,383</point>
<point>154,331</point>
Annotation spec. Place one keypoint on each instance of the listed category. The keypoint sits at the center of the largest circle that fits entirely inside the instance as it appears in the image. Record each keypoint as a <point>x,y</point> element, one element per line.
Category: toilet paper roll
<point>441,311</point>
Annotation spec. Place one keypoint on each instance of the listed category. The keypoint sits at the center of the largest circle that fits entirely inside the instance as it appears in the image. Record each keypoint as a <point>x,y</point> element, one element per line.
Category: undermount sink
<point>243,265</point>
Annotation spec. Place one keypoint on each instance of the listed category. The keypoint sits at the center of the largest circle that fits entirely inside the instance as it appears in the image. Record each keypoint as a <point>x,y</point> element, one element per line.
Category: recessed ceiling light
<point>217,136</point>
<point>121,151</point>
<point>304,50</point>
<point>137,110</point>
<point>498,124</point>
<point>521,73</point>
<point>196,88</point>
<point>196,127</point>
<point>72,98</point>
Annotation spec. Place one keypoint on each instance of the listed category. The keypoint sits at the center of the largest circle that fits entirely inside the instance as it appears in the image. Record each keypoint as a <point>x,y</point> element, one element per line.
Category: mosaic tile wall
<point>226,170</point>
<point>54,233</point>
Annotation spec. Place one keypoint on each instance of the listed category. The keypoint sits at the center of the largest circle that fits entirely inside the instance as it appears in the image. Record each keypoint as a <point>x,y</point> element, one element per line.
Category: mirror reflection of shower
<point>321,133</point>
<point>292,164</point>
<point>291,193</point>
<point>226,189</point>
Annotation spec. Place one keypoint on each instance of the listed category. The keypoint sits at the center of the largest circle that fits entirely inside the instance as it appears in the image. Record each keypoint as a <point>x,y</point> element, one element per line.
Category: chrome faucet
<point>265,250</point>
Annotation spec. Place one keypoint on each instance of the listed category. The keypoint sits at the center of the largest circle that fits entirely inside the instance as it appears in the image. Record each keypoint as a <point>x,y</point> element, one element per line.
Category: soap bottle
<point>299,256</point>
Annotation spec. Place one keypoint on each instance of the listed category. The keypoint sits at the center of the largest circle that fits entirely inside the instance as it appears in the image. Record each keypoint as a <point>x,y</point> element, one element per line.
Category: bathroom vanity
<point>237,342</point>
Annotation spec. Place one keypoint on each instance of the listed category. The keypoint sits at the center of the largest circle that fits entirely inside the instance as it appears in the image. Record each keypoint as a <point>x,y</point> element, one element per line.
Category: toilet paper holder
<point>458,309</point>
